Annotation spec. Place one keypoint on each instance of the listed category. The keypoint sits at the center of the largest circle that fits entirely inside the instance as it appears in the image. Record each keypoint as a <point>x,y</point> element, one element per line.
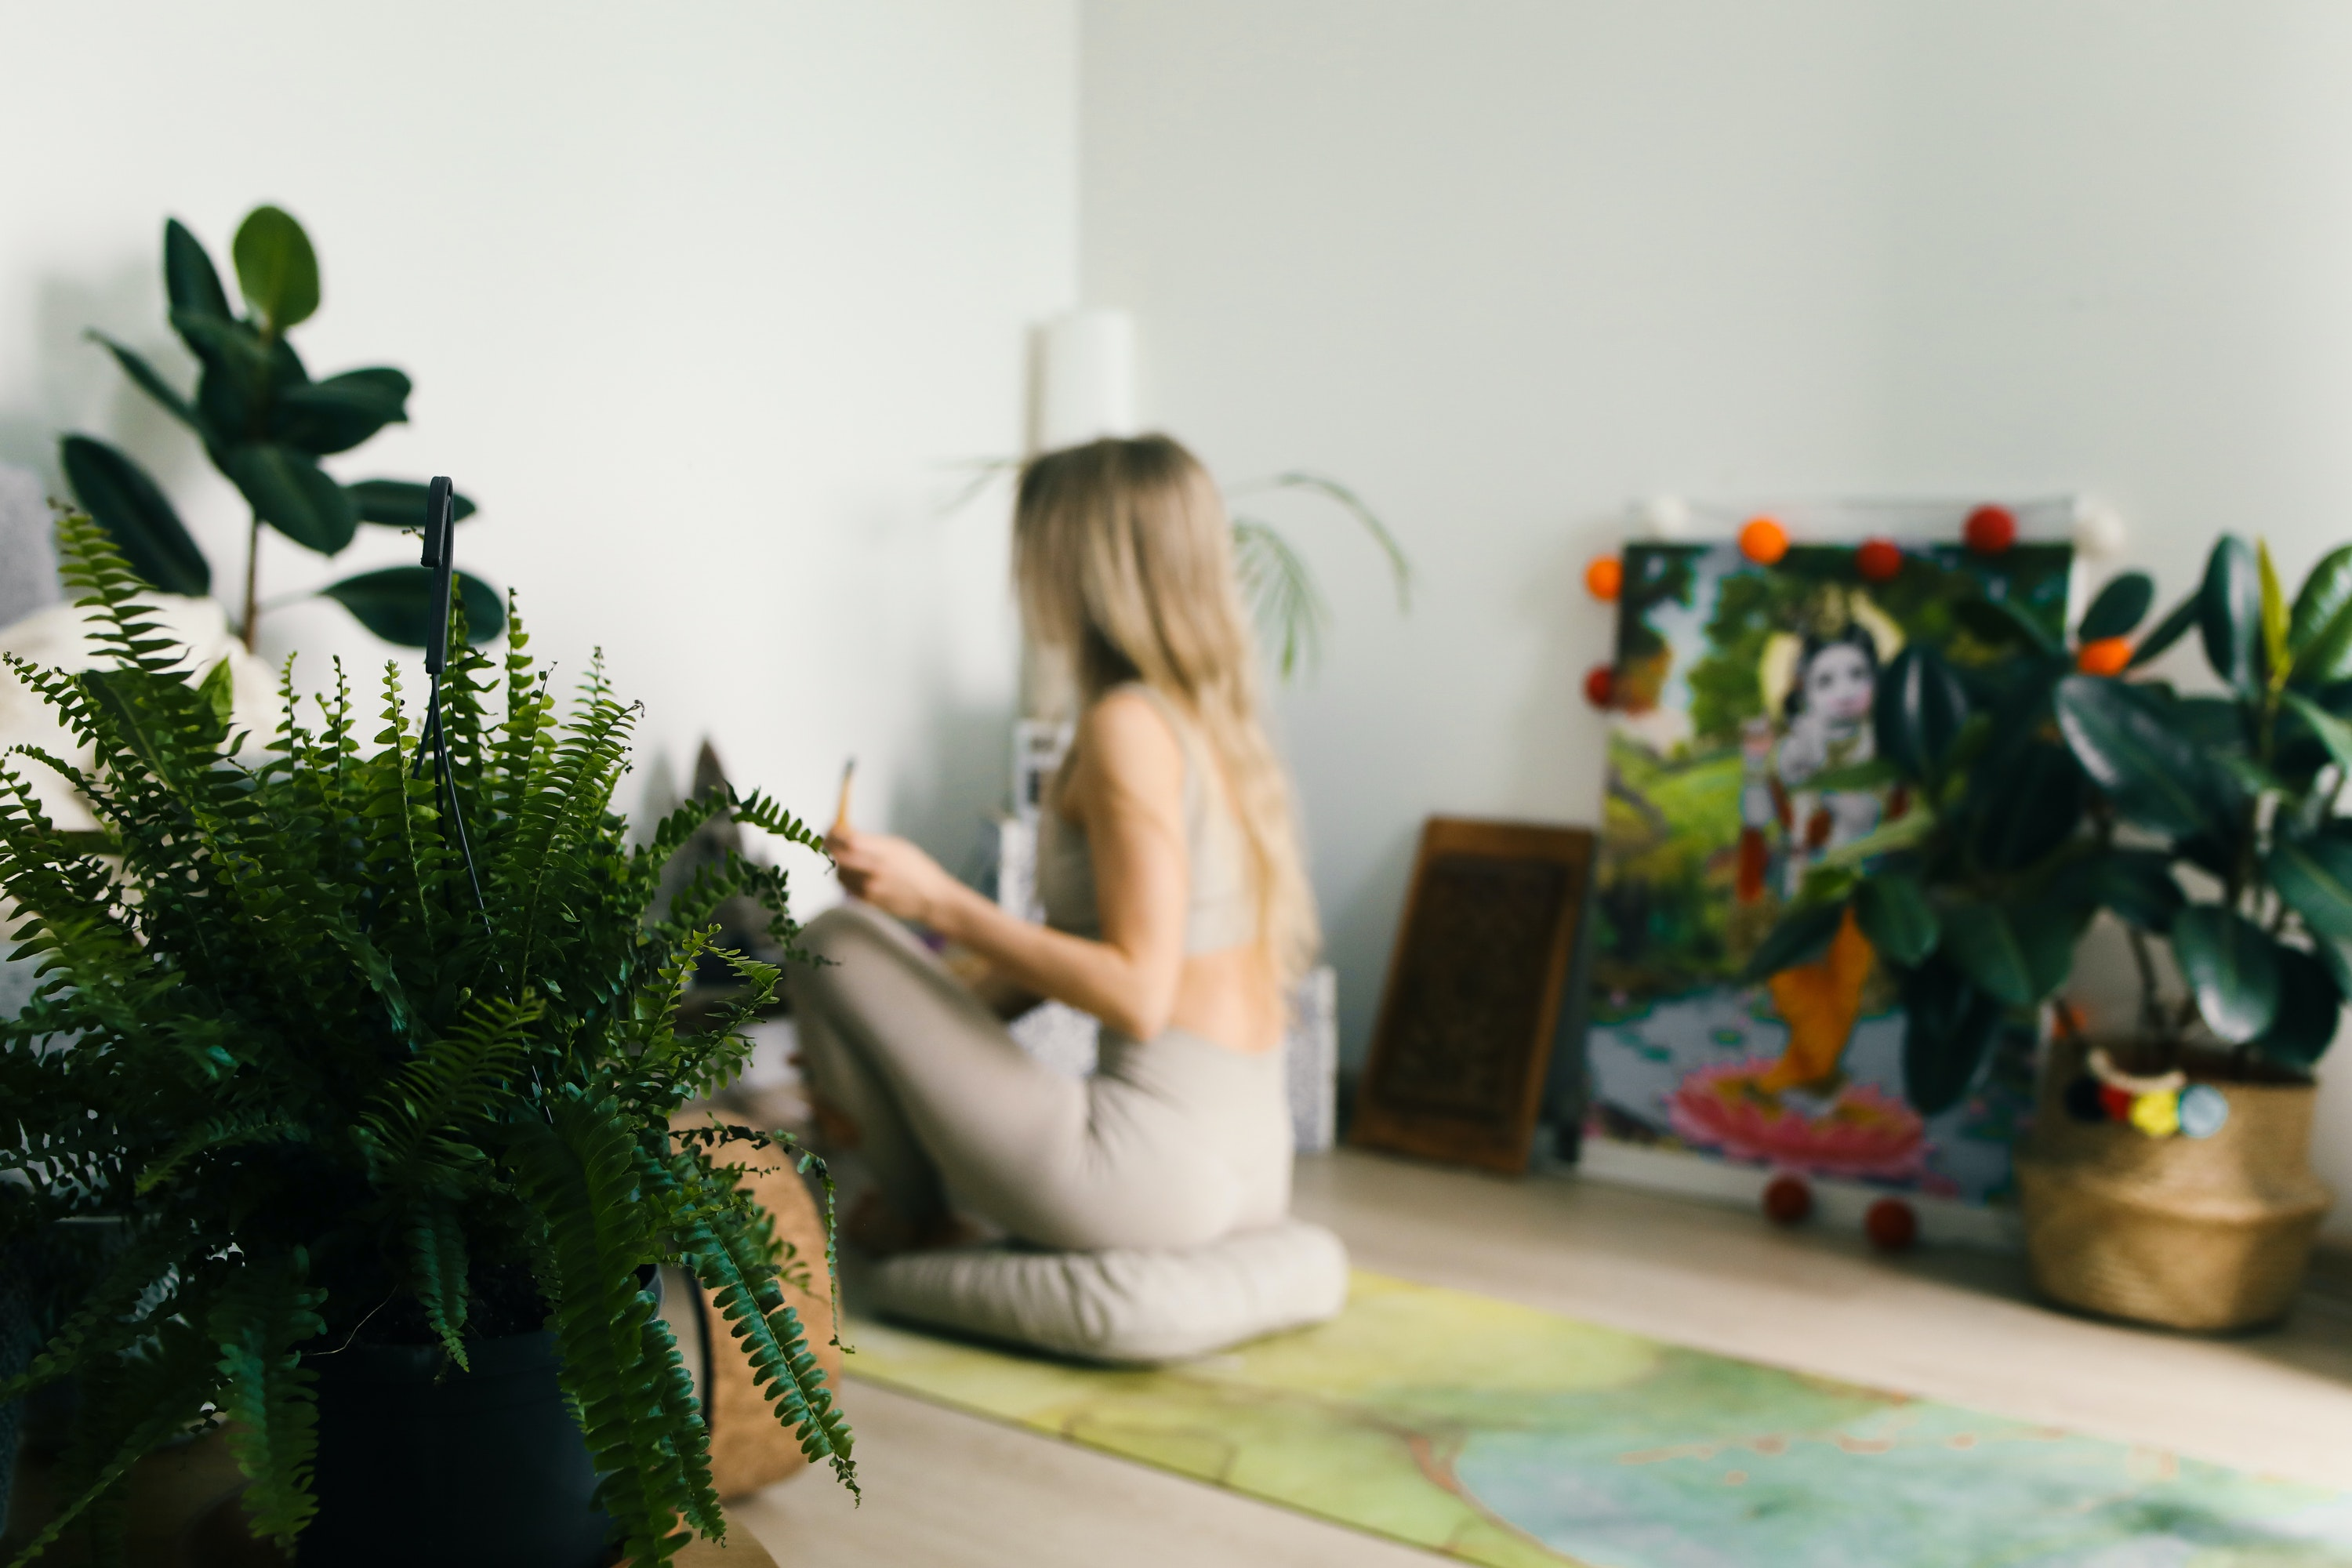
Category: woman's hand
<point>891,874</point>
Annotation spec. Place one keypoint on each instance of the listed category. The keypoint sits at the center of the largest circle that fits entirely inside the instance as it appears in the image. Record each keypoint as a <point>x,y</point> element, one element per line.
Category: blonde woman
<point>1177,911</point>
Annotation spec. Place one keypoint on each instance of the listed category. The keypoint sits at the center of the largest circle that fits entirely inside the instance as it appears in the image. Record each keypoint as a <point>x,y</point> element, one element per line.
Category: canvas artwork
<point>1738,685</point>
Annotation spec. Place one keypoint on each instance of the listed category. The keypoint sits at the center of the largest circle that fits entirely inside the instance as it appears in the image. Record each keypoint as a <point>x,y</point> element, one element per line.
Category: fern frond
<point>258,1322</point>
<point>110,1318</point>
<point>578,1170</point>
<point>437,1275</point>
<point>459,1076</point>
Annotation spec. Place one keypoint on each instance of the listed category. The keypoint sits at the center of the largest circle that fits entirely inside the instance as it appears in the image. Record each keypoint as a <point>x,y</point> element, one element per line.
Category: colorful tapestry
<point>1505,1436</point>
<point>1741,716</point>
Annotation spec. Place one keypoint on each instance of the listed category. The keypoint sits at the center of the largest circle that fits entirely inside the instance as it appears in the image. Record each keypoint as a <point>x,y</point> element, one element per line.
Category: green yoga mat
<point>1503,1434</point>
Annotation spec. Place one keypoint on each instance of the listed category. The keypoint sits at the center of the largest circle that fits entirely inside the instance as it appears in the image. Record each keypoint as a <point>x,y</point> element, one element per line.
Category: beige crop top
<point>1222,912</point>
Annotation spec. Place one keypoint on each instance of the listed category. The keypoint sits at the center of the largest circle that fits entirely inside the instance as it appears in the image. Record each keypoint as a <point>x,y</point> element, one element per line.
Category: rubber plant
<point>1995,856</point>
<point>264,423</point>
<point>323,1086</point>
<point>2242,788</point>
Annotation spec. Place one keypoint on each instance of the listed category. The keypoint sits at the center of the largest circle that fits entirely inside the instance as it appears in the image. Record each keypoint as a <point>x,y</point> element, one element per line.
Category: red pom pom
<point>1878,560</point>
<point>1601,685</point>
<point>1991,529</point>
<point>1787,1199</point>
<point>2115,1102</point>
<point>1891,1225</point>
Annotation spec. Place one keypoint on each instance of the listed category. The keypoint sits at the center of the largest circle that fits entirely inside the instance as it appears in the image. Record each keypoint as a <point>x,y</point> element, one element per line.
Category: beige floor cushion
<point>1124,1308</point>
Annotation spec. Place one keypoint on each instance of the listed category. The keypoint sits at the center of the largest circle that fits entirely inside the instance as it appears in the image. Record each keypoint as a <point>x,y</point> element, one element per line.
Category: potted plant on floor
<point>2168,1178</point>
<point>372,1069</point>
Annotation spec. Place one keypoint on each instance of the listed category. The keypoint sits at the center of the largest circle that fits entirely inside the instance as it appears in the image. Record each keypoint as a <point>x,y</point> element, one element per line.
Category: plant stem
<point>2151,1008</point>
<point>252,582</point>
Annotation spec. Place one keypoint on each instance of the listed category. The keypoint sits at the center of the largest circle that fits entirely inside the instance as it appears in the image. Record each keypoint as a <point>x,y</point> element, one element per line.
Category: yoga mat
<point>1507,1435</point>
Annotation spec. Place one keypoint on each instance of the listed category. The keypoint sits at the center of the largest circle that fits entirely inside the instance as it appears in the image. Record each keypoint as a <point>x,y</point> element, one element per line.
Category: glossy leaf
<point>400,503</point>
<point>1948,1026</point>
<point>275,267</point>
<point>2120,607</point>
<point>339,413</point>
<point>1894,913</point>
<point>2313,875</point>
<point>2167,631</point>
<point>2017,954</point>
<point>1918,710</point>
<point>136,515</point>
<point>396,605</point>
<point>293,494</point>
<point>2138,885</point>
<point>1801,936</point>
<point>2029,804</point>
<point>2333,733</point>
<point>2310,1007</point>
<point>150,381</point>
<point>2231,968</point>
<point>190,283</point>
<point>2229,614</point>
<point>2326,592</point>
<point>2154,777</point>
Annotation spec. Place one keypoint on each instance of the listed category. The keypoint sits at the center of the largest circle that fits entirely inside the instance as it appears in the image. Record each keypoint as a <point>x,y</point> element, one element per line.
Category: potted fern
<point>372,1075</point>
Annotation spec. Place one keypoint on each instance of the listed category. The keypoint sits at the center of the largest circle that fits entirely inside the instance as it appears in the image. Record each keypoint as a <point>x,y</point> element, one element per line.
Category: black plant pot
<point>484,1467</point>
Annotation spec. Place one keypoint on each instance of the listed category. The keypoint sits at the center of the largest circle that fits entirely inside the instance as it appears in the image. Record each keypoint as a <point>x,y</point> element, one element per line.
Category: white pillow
<point>1125,1307</point>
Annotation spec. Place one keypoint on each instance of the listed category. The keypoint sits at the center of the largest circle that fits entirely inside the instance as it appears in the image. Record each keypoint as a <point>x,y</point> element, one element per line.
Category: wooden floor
<point>947,1488</point>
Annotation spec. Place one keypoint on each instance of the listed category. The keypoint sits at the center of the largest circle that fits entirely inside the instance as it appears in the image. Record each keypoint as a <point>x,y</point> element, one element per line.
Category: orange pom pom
<point>1604,578</point>
<point>1763,541</point>
<point>1601,685</point>
<point>1878,560</point>
<point>2103,656</point>
<point>1991,529</point>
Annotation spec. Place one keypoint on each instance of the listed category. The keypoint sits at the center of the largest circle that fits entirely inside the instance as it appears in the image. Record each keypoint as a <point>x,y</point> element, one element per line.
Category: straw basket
<point>2188,1232</point>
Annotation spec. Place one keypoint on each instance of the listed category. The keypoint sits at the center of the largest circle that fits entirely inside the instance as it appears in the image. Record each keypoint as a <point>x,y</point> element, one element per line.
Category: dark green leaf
<point>2231,969</point>
<point>217,691</point>
<point>189,281</point>
<point>2154,776</point>
<point>2229,614</point>
<point>2313,875</point>
<point>2138,885</point>
<point>136,516</point>
<point>2310,1006</point>
<point>1893,912</point>
<point>152,383</point>
<point>1918,711</point>
<point>1947,1025</point>
<point>2208,723</point>
<point>2169,630</point>
<point>2332,732</point>
<point>2120,607</point>
<point>396,605</point>
<point>1999,624</point>
<point>400,503</point>
<point>293,494</point>
<point>275,267</point>
<point>2016,953</point>
<point>2327,591</point>
<point>1800,938</point>
<point>2029,804</point>
<point>339,413</point>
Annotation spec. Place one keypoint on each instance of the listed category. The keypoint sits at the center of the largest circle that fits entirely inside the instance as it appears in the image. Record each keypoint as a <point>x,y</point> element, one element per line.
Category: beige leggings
<point>1174,1141</point>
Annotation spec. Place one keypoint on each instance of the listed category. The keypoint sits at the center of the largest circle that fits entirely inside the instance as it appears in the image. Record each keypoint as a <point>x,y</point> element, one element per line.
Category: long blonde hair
<point>1123,558</point>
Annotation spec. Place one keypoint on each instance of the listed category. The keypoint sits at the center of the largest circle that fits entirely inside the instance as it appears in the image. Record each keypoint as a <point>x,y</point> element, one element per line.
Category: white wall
<point>1502,265</point>
<point>700,301</point>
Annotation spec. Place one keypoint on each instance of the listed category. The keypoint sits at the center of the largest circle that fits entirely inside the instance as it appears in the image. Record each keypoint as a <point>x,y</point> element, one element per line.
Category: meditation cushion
<point>1125,1308</point>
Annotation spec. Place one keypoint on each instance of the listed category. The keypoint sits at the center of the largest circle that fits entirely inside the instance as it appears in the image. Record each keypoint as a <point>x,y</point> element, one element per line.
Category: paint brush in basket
<point>841,810</point>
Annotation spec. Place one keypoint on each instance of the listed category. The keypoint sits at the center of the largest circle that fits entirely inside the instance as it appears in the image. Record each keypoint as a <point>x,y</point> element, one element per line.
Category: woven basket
<point>2188,1232</point>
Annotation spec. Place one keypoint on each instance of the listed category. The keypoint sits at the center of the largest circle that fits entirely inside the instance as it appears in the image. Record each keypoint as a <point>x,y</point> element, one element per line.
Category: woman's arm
<point>1127,789</point>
